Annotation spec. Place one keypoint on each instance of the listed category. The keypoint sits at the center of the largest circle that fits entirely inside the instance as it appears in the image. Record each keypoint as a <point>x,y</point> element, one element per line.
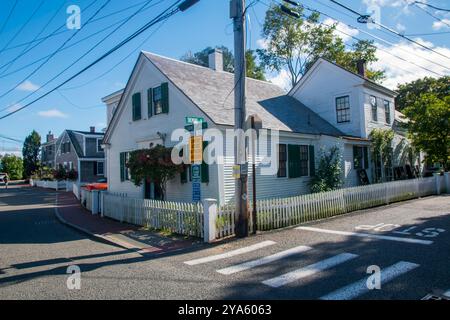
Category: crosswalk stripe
<point>367,235</point>
<point>358,288</point>
<point>309,270</point>
<point>231,253</point>
<point>264,260</point>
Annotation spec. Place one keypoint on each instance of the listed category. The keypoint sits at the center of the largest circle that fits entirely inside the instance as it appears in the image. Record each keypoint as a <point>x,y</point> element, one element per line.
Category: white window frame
<point>102,150</point>
<point>103,172</point>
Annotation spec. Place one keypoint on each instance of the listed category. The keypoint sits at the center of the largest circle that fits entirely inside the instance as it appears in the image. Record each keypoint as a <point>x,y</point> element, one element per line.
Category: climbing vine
<point>329,172</point>
<point>381,148</point>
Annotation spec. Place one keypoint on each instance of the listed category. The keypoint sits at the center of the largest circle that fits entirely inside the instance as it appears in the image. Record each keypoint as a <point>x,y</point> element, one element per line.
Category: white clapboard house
<point>329,106</point>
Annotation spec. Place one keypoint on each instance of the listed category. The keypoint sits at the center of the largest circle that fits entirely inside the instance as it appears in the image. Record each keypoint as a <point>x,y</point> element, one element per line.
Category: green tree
<point>295,44</point>
<point>329,172</point>
<point>253,70</point>
<point>154,165</point>
<point>30,153</point>
<point>429,127</point>
<point>408,93</point>
<point>13,166</point>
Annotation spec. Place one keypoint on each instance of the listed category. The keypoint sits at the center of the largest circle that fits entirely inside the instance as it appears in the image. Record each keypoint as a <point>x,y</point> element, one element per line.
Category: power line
<point>431,14</point>
<point>69,46</point>
<point>373,36</point>
<point>427,34</point>
<point>377,47</point>
<point>27,48</point>
<point>23,26</point>
<point>391,30</point>
<point>431,6</point>
<point>167,13</point>
<point>118,63</point>
<point>89,51</point>
<point>55,33</point>
<point>77,106</point>
<point>54,52</point>
<point>8,17</point>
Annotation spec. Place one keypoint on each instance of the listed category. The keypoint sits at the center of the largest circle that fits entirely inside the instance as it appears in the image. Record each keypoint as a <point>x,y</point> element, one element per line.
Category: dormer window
<point>343,109</point>
<point>373,104</point>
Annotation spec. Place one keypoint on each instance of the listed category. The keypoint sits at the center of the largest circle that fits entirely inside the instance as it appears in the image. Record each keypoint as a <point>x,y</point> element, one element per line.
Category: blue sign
<point>196,194</point>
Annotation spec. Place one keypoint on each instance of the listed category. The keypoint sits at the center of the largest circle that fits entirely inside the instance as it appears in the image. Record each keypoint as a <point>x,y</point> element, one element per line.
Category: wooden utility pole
<point>237,13</point>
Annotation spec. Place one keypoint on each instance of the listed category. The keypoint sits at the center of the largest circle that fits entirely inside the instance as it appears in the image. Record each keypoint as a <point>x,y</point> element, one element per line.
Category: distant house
<point>76,150</point>
<point>330,106</point>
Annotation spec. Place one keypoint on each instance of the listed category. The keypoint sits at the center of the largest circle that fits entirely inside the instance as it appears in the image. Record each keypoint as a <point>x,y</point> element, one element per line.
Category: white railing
<point>284,212</point>
<point>178,217</point>
<point>86,199</point>
<point>76,190</point>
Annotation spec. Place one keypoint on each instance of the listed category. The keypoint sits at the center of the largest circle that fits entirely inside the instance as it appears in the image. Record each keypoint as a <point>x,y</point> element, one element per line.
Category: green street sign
<point>190,127</point>
<point>191,120</point>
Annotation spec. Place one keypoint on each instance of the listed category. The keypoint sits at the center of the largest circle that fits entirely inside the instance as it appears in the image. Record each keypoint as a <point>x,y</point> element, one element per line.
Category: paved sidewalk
<point>69,211</point>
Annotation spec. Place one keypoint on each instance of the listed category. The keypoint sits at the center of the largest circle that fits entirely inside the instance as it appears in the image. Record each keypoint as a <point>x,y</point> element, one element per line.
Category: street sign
<point>192,120</point>
<point>190,127</point>
<point>196,149</point>
<point>196,174</point>
<point>236,171</point>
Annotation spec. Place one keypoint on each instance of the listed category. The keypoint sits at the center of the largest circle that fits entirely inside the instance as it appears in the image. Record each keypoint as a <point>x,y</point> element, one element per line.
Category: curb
<point>101,238</point>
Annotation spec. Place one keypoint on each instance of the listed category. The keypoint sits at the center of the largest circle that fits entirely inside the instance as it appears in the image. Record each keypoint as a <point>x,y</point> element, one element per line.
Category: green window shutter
<point>205,167</point>
<point>366,158</point>
<point>183,174</point>
<point>312,162</point>
<point>136,102</point>
<point>165,97</point>
<point>150,102</point>
<point>122,166</point>
<point>294,160</point>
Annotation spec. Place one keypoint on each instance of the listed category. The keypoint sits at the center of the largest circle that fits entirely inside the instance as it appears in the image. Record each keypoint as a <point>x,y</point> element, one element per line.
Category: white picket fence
<point>55,185</point>
<point>283,212</point>
<point>178,217</point>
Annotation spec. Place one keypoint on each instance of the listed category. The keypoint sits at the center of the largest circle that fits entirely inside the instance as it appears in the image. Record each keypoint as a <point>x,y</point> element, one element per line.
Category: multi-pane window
<point>360,158</point>
<point>373,105</point>
<point>100,168</point>
<point>304,161</point>
<point>343,109</point>
<point>282,159</point>
<point>99,145</point>
<point>387,111</point>
<point>157,100</point>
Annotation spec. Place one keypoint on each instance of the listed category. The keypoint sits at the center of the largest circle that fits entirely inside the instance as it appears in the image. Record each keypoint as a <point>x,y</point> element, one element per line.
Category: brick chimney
<point>92,129</point>
<point>215,60</point>
<point>361,66</point>
<point>50,136</point>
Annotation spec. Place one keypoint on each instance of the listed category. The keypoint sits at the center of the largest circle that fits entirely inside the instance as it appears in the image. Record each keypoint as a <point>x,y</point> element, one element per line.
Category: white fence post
<point>437,182</point>
<point>447,181</point>
<point>101,195</point>
<point>209,219</point>
<point>94,200</point>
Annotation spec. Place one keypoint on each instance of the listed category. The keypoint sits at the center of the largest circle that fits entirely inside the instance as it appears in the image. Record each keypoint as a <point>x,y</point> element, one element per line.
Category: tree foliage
<point>30,153</point>
<point>329,172</point>
<point>408,93</point>
<point>13,166</point>
<point>429,126</point>
<point>253,70</point>
<point>154,165</point>
<point>296,43</point>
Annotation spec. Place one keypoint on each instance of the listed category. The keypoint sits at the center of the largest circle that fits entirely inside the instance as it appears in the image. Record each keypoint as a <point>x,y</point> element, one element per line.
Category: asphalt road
<point>408,241</point>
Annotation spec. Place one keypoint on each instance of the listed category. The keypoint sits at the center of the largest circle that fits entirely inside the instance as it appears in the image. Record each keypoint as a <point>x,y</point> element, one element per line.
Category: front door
<point>152,191</point>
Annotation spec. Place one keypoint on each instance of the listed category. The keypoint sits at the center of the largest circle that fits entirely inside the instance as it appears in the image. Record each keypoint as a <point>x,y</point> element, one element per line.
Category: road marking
<point>367,235</point>
<point>309,270</point>
<point>358,288</point>
<point>231,253</point>
<point>447,294</point>
<point>264,260</point>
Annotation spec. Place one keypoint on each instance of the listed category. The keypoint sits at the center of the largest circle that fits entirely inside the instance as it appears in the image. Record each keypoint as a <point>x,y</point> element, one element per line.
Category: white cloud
<point>398,71</point>
<point>28,86</point>
<point>342,30</point>
<point>281,79</point>
<point>262,43</point>
<point>14,107</point>
<point>400,27</point>
<point>445,23</point>
<point>52,113</point>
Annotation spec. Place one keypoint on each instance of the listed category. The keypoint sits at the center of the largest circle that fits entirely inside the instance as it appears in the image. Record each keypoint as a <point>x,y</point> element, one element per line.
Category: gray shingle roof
<point>212,92</point>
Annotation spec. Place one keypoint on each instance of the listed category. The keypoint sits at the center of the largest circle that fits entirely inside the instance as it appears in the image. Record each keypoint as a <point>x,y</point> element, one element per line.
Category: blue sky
<point>78,104</point>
